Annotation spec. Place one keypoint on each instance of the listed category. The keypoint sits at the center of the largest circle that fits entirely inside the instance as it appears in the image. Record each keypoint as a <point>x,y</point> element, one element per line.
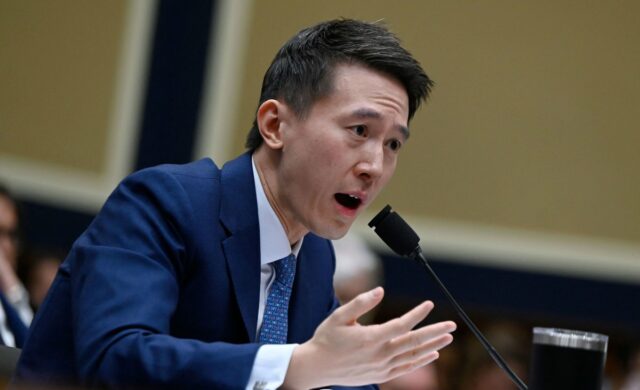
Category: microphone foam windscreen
<point>395,232</point>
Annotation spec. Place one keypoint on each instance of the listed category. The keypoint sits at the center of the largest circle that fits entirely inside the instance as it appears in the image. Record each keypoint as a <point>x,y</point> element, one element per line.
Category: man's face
<point>8,230</point>
<point>336,159</point>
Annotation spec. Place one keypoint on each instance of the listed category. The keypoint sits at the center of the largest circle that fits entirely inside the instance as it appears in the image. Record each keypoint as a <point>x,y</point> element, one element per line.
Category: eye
<point>394,145</point>
<point>360,130</point>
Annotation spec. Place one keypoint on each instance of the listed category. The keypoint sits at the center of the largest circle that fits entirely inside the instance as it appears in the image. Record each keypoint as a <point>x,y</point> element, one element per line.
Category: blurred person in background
<point>358,268</point>
<point>480,372</point>
<point>15,313</point>
<point>38,270</point>
<point>632,381</point>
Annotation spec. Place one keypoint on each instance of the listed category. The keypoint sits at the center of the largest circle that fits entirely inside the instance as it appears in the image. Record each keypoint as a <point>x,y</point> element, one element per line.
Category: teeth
<point>353,197</point>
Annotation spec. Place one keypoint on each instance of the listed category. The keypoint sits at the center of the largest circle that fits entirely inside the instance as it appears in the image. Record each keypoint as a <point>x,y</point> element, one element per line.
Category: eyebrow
<point>369,113</point>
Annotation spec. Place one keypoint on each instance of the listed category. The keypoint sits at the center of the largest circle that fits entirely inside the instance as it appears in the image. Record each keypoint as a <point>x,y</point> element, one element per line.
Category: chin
<point>332,232</point>
<point>335,236</point>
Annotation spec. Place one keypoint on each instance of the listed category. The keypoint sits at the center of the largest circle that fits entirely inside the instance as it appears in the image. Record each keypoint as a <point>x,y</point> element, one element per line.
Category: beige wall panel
<point>73,76</point>
<point>58,65</point>
<point>533,121</point>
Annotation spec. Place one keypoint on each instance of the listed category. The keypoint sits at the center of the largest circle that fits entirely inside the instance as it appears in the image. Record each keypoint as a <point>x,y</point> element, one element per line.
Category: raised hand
<point>343,352</point>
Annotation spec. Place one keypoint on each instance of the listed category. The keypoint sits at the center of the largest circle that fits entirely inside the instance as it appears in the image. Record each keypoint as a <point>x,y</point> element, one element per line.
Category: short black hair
<point>302,70</point>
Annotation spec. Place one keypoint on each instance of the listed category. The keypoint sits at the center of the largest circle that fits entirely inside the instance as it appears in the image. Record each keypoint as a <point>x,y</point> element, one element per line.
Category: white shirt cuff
<point>270,366</point>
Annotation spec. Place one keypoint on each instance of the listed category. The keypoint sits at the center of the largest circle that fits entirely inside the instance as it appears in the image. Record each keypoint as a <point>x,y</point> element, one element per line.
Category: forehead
<point>355,86</point>
<point>356,77</point>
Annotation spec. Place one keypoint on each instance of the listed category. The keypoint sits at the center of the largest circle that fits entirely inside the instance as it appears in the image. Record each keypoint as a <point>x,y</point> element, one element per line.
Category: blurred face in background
<point>8,230</point>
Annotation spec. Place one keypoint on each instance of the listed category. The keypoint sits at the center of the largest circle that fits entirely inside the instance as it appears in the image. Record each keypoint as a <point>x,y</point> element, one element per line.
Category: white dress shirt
<point>272,361</point>
<point>18,297</point>
<point>5,333</point>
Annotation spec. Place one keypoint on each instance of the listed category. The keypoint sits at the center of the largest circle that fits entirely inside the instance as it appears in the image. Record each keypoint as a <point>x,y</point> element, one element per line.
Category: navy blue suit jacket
<point>163,287</point>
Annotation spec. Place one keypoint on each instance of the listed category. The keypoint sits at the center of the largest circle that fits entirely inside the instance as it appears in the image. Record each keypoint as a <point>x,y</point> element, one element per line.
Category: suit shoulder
<point>198,176</point>
<point>175,189</point>
<point>204,168</point>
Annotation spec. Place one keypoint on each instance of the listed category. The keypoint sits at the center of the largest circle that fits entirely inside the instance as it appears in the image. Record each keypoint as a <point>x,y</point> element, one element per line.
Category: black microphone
<point>403,240</point>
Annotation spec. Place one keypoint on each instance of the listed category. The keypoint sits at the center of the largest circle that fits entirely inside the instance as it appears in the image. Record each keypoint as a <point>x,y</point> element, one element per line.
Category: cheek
<point>307,175</point>
<point>389,170</point>
<point>321,159</point>
<point>382,182</point>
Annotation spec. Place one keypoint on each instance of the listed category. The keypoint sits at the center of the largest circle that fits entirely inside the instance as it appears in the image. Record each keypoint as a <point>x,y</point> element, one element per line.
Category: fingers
<point>408,367</point>
<point>420,337</point>
<point>418,354</point>
<point>358,306</point>
<point>375,352</point>
<point>402,325</point>
<point>418,357</point>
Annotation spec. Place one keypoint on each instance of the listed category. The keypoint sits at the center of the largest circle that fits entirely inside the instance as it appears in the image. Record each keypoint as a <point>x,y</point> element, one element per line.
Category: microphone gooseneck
<point>403,240</point>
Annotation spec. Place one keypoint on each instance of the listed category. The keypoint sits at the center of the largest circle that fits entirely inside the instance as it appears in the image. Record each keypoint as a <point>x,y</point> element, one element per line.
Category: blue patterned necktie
<point>275,321</point>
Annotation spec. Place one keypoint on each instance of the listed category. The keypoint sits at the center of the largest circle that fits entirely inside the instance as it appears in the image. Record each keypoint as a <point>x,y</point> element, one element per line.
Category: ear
<point>271,116</point>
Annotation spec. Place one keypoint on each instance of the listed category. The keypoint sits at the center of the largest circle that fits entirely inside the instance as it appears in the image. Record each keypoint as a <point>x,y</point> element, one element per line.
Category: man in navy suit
<point>168,286</point>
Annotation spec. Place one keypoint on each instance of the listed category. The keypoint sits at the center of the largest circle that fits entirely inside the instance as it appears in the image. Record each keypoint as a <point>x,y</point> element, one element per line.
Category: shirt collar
<point>274,244</point>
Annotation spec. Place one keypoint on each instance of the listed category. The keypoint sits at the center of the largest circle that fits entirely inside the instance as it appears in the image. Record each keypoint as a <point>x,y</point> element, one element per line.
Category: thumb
<point>351,311</point>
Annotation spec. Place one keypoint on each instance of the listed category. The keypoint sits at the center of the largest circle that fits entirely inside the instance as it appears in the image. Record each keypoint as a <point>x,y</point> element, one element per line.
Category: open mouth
<point>349,201</point>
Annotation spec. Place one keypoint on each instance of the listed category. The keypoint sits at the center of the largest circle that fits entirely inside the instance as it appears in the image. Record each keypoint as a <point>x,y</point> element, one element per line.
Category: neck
<point>266,161</point>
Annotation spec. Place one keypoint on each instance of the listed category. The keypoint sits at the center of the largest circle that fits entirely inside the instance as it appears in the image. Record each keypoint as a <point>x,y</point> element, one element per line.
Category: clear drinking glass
<point>565,359</point>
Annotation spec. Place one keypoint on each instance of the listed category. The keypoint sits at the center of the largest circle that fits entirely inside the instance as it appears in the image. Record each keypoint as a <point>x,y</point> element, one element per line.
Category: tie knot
<point>285,270</point>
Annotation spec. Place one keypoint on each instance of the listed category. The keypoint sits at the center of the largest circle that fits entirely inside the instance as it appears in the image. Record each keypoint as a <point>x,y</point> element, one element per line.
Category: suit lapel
<point>239,215</point>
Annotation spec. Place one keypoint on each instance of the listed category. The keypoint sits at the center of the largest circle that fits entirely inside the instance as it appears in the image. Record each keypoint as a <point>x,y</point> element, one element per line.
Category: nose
<point>371,164</point>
